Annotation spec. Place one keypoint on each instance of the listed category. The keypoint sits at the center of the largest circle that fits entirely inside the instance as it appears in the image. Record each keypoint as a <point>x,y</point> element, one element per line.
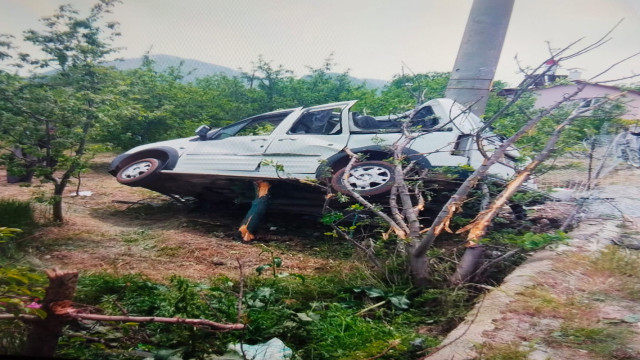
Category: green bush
<point>338,334</point>
<point>319,318</point>
<point>16,214</point>
<point>19,289</point>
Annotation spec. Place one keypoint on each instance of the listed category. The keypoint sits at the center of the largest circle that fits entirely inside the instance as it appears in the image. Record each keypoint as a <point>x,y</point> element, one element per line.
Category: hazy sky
<point>371,38</point>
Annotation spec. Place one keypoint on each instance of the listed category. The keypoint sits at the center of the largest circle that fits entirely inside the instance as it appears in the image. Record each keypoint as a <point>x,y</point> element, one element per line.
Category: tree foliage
<point>47,120</point>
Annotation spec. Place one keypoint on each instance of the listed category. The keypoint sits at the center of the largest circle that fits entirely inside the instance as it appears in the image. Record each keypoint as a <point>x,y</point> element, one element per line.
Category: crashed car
<point>304,143</point>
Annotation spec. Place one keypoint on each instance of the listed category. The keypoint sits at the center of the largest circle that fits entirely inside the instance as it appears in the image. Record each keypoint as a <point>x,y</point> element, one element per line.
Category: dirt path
<point>506,318</point>
<point>104,232</point>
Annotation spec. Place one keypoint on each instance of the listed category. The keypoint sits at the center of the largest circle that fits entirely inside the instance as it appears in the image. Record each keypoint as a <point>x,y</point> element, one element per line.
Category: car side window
<point>425,118</point>
<point>259,127</point>
<point>319,122</point>
<point>262,126</point>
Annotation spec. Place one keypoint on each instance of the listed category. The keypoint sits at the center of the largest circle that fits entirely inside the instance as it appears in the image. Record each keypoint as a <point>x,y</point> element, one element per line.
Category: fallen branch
<point>21,317</point>
<point>64,308</point>
<point>371,307</point>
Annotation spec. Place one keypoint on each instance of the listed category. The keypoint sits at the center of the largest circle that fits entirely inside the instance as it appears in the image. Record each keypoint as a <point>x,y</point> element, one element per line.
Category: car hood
<point>180,145</point>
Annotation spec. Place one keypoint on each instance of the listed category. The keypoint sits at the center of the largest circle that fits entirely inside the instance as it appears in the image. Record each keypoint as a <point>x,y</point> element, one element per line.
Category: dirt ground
<point>123,230</point>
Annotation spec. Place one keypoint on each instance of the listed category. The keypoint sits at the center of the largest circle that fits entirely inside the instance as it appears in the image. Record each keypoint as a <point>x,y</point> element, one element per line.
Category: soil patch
<point>120,229</point>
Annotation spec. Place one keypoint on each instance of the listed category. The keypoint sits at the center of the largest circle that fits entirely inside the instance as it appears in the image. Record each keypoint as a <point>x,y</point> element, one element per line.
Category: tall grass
<point>16,214</point>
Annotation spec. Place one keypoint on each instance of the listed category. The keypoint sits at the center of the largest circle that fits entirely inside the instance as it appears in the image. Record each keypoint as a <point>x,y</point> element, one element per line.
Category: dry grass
<point>583,309</point>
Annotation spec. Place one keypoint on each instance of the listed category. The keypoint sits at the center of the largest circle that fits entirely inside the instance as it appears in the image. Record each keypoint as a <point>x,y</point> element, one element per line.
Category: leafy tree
<point>406,91</point>
<point>324,85</point>
<point>228,98</point>
<point>271,81</point>
<point>51,117</point>
<point>154,108</point>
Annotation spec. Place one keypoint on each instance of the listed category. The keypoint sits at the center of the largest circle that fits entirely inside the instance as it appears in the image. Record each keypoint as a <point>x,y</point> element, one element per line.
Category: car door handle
<point>259,139</point>
<point>290,139</point>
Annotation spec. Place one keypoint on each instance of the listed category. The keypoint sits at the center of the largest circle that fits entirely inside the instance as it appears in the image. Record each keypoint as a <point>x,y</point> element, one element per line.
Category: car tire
<point>139,172</point>
<point>366,178</point>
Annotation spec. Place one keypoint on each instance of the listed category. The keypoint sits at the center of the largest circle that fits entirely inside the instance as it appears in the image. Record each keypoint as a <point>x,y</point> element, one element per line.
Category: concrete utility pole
<point>479,53</point>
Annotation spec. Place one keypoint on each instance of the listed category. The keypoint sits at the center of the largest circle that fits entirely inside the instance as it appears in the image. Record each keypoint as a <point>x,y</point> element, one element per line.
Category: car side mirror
<point>202,131</point>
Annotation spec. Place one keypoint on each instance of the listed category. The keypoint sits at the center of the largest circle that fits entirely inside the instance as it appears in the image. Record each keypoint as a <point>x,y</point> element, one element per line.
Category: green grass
<point>16,214</point>
<point>608,342</point>
<point>319,318</point>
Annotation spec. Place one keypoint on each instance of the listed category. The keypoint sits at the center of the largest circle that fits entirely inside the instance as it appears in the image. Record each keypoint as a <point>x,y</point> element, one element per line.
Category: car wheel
<point>366,178</point>
<point>139,172</point>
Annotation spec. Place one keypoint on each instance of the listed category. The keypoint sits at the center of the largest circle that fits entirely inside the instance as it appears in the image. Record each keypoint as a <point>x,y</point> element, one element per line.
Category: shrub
<point>16,214</point>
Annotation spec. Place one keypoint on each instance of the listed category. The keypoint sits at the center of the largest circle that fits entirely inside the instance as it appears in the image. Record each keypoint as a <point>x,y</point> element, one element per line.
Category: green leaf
<point>38,312</point>
<point>264,292</point>
<point>262,268</point>
<point>400,301</point>
<point>300,277</point>
<point>374,292</point>
<point>277,262</point>
<point>304,317</point>
<point>21,278</point>
<point>331,218</point>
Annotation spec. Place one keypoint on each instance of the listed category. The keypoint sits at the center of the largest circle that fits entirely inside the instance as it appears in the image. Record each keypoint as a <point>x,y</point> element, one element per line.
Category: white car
<point>303,143</point>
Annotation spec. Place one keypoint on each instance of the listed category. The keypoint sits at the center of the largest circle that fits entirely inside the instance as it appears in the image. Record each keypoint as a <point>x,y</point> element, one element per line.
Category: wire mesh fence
<point>578,171</point>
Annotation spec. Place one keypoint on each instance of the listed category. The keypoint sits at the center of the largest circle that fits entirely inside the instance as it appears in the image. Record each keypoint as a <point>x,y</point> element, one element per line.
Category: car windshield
<point>261,125</point>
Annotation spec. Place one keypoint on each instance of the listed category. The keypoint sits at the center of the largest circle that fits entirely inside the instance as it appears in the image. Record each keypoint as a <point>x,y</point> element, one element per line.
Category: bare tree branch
<point>64,308</point>
<point>614,65</point>
<point>396,228</point>
<point>457,199</point>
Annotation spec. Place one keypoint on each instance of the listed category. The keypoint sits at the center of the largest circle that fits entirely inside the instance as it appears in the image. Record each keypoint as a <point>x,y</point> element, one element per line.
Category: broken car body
<point>303,143</point>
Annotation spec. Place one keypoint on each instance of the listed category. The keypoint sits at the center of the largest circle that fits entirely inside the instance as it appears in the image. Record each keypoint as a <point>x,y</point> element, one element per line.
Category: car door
<point>316,134</point>
<point>236,149</point>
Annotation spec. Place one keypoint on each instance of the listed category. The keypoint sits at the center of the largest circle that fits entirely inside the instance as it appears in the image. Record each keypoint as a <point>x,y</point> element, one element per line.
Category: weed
<point>510,351</point>
<point>321,318</point>
<point>539,301</point>
<point>442,306</point>
<point>137,236</point>
<point>168,251</point>
<point>20,289</point>
<point>16,213</point>
<point>607,342</point>
<point>529,241</point>
<point>340,335</point>
<point>623,265</point>
<point>618,261</point>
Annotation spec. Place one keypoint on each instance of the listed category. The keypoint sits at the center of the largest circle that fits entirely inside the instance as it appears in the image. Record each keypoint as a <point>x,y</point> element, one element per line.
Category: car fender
<point>168,155</point>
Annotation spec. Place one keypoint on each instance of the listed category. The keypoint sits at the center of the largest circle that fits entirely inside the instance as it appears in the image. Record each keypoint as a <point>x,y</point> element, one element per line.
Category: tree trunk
<point>42,340</point>
<point>254,216</point>
<point>57,203</point>
<point>468,264</point>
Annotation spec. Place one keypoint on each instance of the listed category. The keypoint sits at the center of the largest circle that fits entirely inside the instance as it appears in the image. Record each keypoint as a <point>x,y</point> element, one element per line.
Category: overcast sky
<point>371,38</point>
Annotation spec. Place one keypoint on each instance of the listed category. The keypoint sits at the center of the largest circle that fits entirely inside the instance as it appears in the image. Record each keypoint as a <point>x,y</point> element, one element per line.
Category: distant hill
<point>196,68</point>
<point>201,69</point>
